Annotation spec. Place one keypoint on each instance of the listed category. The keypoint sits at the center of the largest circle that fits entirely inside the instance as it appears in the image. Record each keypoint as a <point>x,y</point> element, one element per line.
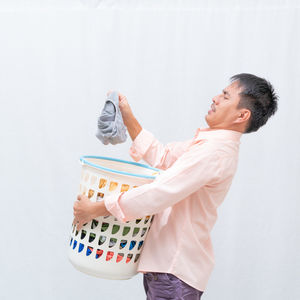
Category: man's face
<point>224,111</point>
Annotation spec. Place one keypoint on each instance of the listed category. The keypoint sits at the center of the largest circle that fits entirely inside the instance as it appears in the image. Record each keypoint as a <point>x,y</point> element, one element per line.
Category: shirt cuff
<point>111,203</point>
<point>141,144</point>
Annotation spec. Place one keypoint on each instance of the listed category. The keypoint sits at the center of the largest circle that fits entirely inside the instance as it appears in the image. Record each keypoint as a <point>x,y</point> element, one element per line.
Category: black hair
<point>259,97</point>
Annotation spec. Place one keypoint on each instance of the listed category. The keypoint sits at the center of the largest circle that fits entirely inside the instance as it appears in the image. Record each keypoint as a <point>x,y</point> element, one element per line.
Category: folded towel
<point>111,128</point>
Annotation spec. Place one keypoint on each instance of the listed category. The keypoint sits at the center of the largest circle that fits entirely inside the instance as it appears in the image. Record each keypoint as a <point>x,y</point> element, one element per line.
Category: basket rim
<point>84,161</point>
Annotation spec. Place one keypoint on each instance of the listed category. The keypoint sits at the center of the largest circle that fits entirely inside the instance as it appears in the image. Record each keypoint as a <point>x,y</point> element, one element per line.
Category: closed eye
<point>225,93</point>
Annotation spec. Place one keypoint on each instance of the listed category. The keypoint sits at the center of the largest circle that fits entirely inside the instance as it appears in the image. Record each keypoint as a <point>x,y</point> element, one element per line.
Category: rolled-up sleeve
<point>145,146</point>
<point>197,167</point>
<point>141,144</point>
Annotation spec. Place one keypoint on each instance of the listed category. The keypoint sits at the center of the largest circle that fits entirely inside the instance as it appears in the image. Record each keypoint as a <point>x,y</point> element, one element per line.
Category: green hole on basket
<point>135,231</point>
<point>123,244</point>
<point>144,231</point>
<point>136,257</point>
<point>94,224</point>
<point>115,229</point>
<point>104,227</point>
<point>102,239</point>
<point>125,230</point>
<point>112,242</point>
<point>92,237</point>
<point>83,234</point>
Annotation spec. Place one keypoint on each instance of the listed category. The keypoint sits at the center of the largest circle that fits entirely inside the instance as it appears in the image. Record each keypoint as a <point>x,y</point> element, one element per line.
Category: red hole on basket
<point>99,252</point>
<point>129,257</point>
<point>109,255</point>
<point>120,257</point>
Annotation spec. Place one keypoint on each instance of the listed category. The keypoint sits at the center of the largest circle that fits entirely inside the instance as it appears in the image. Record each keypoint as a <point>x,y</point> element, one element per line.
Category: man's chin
<point>207,119</point>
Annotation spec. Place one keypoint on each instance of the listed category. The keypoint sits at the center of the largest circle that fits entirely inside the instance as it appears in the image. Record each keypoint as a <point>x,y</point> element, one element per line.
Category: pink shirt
<point>184,198</point>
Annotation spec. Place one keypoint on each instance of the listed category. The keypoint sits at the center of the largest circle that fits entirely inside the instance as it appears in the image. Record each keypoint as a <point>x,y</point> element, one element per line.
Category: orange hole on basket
<point>102,183</point>
<point>113,185</point>
<point>90,193</point>
<point>100,196</point>
<point>124,187</point>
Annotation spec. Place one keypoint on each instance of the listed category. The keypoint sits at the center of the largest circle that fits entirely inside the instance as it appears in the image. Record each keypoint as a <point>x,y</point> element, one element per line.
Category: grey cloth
<point>167,286</point>
<point>111,128</point>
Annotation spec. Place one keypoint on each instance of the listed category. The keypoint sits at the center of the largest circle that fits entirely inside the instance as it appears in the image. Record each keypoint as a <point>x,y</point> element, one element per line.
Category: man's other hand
<point>83,211</point>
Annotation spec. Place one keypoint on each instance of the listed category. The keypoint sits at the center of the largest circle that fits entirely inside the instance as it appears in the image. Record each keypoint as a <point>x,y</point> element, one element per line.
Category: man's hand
<point>133,126</point>
<point>124,106</point>
<point>83,211</point>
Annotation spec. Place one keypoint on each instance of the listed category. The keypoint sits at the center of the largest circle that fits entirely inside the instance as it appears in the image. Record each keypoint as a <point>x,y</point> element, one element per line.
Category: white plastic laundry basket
<point>105,247</point>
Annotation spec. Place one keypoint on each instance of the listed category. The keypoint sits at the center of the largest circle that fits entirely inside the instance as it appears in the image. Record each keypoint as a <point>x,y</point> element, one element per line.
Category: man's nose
<point>216,99</point>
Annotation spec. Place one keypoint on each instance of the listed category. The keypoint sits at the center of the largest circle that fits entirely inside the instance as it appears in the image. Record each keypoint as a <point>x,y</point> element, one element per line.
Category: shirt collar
<point>207,133</point>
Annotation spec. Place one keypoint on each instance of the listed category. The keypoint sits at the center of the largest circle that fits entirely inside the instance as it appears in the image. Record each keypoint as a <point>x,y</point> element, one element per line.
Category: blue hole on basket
<point>132,244</point>
<point>80,248</point>
<point>71,241</point>
<point>140,245</point>
<point>89,250</point>
<point>75,244</point>
<point>123,244</point>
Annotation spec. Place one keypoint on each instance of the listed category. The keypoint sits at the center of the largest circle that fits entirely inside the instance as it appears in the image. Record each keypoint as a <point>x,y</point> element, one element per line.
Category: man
<point>177,258</point>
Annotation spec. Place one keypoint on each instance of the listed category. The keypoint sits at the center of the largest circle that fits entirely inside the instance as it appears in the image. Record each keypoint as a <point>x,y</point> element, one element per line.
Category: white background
<point>57,61</point>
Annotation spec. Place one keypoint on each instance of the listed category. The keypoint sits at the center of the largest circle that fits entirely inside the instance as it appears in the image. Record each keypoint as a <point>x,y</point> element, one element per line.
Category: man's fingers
<point>74,221</point>
<point>82,198</point>
<point>79,226</point>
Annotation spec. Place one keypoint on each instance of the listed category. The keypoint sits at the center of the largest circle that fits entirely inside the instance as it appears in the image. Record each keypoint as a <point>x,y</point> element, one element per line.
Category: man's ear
<point>243,116</point>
